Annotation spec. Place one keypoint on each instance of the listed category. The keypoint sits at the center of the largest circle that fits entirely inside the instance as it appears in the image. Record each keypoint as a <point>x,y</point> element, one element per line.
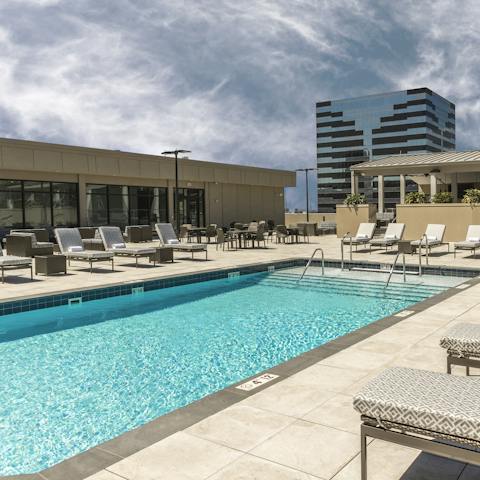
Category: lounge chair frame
<point>181,247</point>
<point>91,260</point>
<point>16,267</point>
<point>418,439</point>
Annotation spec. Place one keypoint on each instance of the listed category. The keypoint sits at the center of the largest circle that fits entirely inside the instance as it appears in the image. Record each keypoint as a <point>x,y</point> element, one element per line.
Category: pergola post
<point>402,188</point>
<point>454,187</point>
<point>354,182</point>
<point>381,194</point>
<point>433,184</point>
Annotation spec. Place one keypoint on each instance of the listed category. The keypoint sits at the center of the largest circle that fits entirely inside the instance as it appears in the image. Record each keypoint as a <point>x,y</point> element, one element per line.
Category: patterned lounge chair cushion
<point>134,251</point>
<point>189,246</point>
<point>89,254</point>
<point>467,244</point>
<point>432,401</point>
<point>462,338</point>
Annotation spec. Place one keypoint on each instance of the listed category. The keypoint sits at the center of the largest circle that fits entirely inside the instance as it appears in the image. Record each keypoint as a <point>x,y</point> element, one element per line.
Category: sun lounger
<point>70,243</point>
<point>462,343</point>
<point>393,235</point>
<point>433,237</point>
<point>113,242</point>
<point>471,242</point>
<point>416,408</point>
<point>13,262</point>
<point>167,237</point>
<point>363,236</point>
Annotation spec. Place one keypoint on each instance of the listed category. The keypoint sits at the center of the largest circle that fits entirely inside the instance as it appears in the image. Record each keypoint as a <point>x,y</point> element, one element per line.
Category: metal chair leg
<point>363,453</point>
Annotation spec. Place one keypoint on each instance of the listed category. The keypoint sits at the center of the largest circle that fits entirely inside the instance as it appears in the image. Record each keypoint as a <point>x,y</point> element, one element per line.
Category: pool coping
<point>101,456</point>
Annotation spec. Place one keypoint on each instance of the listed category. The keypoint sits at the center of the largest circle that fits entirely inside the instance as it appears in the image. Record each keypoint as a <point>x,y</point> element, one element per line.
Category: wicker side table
<point>48,264</point>
<point>162,254</point>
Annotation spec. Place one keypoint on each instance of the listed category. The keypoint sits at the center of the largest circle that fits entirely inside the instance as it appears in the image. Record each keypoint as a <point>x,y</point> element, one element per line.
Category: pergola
<point>431,171</point>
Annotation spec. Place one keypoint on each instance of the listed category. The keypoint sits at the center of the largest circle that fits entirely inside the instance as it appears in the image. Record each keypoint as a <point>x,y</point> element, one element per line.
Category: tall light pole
<point>306,170</point>
<point>176,152</point>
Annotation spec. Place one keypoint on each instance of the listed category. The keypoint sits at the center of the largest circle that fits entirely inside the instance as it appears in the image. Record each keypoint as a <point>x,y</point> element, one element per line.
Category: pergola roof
<point>428,160</point>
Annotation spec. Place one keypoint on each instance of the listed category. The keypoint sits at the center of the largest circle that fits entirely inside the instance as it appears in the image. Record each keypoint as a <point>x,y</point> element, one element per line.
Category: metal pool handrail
<point>310,261</point>
<point>347,235</point>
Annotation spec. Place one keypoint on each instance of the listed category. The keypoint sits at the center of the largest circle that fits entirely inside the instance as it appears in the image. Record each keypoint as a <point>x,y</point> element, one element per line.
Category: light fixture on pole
<point>306,170</point>
<point>176,152</point>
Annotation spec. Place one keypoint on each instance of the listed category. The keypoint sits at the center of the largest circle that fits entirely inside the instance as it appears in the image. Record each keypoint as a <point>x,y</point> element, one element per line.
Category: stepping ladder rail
<point>347,235</point>
<point>393,268</point>
<point>424,236</point>
<point>310,261</point>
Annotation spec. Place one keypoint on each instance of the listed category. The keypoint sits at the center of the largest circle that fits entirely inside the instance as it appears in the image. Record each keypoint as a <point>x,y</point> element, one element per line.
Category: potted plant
<point>354,199</point>
<point>442,197</point>
<point>472,196</point>
<point>416,197</point>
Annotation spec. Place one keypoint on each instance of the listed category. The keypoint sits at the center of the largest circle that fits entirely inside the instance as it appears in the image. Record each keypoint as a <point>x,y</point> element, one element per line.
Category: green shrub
<point>472,196</point>
<point>354,199</point>
<point>416,197</point>
<point>442,197</point>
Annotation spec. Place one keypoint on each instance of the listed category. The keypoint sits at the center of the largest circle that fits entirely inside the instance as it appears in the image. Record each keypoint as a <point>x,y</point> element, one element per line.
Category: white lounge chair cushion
<point>432,401</point>
<point>432,238</point>
<point>362,236</point>
<point>134,251</point>
<point>76,248</point>
<point>173,241</point>
<point>89,254</point>
<point>463,338</point>
<point>473,239</point>
<point>7,260</point>
<point>390,237</point>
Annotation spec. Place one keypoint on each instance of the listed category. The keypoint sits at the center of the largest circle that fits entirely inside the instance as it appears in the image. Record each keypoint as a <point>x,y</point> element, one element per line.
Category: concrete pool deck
<point>302,426</point>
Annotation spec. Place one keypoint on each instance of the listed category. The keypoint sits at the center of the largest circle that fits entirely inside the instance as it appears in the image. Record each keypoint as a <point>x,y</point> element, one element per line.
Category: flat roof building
<point>355,130</point>
<point>48,185</point>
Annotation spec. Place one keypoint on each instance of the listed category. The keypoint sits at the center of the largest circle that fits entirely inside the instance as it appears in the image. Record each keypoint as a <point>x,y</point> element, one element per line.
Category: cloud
<point>233,82</point>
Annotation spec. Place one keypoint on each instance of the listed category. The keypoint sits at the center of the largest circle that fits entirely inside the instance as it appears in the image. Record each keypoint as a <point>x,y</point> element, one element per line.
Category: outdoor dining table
<point>196,232</point>
<point>241,234</point>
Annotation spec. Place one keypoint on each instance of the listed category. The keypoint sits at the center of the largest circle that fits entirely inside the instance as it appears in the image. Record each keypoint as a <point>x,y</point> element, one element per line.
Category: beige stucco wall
<point>455,216</point>
<point>232,192</point>
<point>293,218</point>
<point>349,218</point>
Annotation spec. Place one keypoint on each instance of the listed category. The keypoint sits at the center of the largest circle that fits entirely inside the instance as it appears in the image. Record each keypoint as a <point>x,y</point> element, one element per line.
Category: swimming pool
<point>74,377</point>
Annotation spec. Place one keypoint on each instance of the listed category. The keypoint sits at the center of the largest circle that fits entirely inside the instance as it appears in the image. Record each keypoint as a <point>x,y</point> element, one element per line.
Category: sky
<point>233,81</point>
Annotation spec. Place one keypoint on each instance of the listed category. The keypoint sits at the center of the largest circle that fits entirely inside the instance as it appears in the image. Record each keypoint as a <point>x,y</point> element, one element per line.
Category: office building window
<point>191,206</point>
<point>11,204</point>
<point>65,204</point>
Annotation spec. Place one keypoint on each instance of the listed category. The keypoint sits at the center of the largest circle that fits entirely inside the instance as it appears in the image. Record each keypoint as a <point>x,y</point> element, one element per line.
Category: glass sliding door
<point>65,204</point>
<point>37,204</point>
<point>118,205</point>
<point>191,206</point>
<point>97,205</point>
<point>11,205</point>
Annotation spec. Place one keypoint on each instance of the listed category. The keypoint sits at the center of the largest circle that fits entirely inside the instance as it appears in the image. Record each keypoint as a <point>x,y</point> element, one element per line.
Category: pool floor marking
<point>404,313</point>
<point>257,382</point>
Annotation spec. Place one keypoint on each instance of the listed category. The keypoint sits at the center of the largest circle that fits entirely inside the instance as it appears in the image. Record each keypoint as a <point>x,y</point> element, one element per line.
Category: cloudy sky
<point>233,81</point>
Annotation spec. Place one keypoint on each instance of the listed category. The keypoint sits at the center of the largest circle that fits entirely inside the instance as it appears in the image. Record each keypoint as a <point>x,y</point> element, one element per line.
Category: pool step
<point>335,285</point>
<point>394,286</point>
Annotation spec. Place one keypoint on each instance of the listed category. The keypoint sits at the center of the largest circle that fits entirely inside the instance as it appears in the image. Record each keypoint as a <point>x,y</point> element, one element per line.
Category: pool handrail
<point>310,261</point>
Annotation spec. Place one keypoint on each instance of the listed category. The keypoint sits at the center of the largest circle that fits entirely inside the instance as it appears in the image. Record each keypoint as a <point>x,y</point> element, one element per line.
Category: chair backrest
<point>183,233</point>
<point>69,240</point>
<point>435,231</point>
<point>365,230</point>
<point>282,230</point>
<point>220,235</point>
<point>30,235</point>
<point>112,237</point>
<point>87,232</point>
<point>238,226</point>
<point>252,226</point>
<point>41,234</point>
<point>394,231</point>
<point>271,224</point>
<point>166,233</point>
<point>473,233</point>
<point>260,234</point>
<point>211,230</point>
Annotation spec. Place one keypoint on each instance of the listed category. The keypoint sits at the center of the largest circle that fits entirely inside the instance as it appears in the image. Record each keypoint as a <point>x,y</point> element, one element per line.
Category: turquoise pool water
<point>74,377</point>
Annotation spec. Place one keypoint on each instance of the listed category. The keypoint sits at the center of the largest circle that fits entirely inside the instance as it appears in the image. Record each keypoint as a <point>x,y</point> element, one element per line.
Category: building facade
<point>356,130</point>
<point>50,185</point>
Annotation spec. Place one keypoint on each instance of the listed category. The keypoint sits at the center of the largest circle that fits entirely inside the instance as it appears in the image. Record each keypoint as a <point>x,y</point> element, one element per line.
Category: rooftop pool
<point>76,376</point>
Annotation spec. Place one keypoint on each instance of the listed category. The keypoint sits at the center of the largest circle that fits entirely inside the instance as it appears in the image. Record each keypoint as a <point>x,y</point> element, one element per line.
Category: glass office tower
<point>366,128</point>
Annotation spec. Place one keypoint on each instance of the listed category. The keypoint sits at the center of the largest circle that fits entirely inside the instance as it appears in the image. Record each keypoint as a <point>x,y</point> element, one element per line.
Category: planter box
<point>349,218</point>
<point>455,216</point>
